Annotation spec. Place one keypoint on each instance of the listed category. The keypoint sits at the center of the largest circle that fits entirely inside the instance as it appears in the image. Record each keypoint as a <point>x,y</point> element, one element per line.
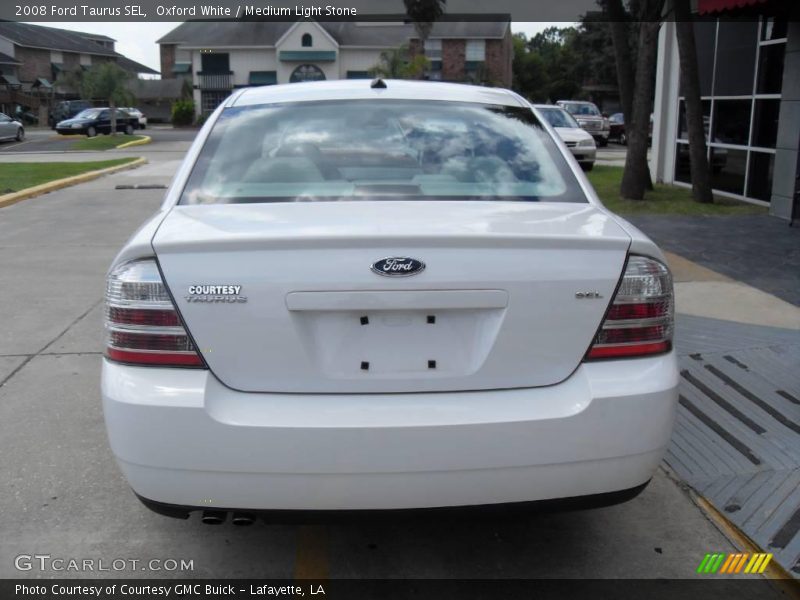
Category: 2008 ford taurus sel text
<point>385,295</point>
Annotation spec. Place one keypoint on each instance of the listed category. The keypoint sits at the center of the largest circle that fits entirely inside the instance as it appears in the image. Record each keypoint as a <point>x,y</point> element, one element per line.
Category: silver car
<point>11,129</point>
<point>590,118</point>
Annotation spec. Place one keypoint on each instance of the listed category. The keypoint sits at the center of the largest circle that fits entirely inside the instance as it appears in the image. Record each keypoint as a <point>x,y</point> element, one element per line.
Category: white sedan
<point>138,115</point>
<point>385,295</point>
<point>579,142</point>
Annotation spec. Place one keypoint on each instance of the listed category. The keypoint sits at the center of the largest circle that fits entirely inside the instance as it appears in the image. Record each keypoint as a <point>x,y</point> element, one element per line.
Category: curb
<point>50,186</point>
<point>775,573</point>
<point>145,140</point>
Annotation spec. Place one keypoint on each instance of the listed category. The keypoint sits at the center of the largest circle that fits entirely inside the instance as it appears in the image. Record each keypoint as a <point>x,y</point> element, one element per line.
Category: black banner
<point>730,588</point>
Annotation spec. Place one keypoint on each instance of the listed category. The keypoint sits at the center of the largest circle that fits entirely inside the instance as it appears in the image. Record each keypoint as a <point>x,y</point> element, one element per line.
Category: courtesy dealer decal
<point>215,293</point>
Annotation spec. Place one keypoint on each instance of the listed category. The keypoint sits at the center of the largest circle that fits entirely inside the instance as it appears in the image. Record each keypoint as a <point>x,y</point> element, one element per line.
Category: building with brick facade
<point>216,58</point>
<point>32,57</point>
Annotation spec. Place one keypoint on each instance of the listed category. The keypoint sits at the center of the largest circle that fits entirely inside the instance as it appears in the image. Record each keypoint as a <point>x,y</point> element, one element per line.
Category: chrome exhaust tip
<point>242,519</point>
<point>213,517</point>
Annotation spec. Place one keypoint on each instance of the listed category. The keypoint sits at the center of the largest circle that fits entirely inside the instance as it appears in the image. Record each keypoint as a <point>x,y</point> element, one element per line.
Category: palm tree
<point>108,81</point>
<point>423,13</point>
<point>690,82</point>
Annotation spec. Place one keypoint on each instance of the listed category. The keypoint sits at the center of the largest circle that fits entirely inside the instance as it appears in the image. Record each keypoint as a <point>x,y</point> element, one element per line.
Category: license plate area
<point>398,335</point>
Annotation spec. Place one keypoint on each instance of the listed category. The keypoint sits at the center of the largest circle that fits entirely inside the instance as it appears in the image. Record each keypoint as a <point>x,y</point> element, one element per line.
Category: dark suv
<point>66,110</point>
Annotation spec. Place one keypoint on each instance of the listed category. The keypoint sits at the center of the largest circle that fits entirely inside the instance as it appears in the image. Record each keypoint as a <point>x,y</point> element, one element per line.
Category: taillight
<point>640,319</point>
<point>142,325</point>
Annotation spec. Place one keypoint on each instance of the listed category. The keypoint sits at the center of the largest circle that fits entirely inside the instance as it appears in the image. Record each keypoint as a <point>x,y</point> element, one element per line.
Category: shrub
<point>182,113</point>
<point>201,120</point>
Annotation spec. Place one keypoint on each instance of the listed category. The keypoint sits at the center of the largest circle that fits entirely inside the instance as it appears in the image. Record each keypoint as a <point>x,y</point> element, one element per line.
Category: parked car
<point>139,115</point>
<point>589,117</point>
<point>25,115</point>
<point>11,129</point>
<point>579,142</point>
<point>384,295</point>
<point>67,109</point>
<point>616,130</point>
<point>97,120</point>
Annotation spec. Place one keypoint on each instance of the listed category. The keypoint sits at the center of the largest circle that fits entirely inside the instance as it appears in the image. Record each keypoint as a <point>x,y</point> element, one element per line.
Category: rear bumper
<point>183,439</point>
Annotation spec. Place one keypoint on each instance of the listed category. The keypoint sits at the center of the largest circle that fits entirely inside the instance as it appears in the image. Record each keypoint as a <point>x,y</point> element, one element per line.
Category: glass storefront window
<point>736,57</point>
<point>682,164</point>
<point>759,183</point>
<point>683,132</point>
<point>770,69</point>
<point>765,123</point>
<point>732,121</point>
<point>772,29</point>
<point>727,170</point>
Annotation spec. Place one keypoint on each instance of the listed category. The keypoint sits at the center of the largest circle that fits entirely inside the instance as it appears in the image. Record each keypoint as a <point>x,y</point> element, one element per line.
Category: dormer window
<point>307,40</point>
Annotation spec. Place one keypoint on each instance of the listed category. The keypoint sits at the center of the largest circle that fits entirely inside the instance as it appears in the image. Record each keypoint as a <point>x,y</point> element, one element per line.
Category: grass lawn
<point>664,199</point>
<point>18,176</point>
<point>103,142</point>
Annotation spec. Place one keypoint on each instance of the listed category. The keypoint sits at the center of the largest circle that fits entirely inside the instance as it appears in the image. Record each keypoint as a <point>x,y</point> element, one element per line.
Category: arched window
<point>307,40</point>
<point>306,73</point>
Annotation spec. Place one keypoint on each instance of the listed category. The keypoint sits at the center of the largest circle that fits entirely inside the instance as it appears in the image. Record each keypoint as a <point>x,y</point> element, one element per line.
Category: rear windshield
<point>558,117</point>
<point>379,150</point>
<point>586,110</point>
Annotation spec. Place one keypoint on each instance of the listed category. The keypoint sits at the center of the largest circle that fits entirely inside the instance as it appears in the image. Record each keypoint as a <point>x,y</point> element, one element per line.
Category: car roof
<point>361,89</point>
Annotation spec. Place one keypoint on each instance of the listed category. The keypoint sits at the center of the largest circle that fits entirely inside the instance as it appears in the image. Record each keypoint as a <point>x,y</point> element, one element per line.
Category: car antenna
<point>378,84</point>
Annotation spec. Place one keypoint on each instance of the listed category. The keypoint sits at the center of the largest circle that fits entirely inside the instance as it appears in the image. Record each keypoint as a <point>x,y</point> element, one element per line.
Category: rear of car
<point>139,117</point>
<point>590,118</point>
<point>400,296</point>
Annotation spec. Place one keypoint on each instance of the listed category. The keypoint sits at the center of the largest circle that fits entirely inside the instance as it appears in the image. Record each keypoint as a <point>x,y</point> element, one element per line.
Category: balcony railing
<point>215,81</point>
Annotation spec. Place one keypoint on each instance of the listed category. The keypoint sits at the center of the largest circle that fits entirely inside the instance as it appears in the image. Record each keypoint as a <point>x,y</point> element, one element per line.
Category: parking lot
<point>64,495</point>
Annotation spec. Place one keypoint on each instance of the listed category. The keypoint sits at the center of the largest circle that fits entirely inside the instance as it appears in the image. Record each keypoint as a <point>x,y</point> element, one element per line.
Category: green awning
<point>41,82</point>
<point>181,68</point>
<point>85,67</point>
<point>263,78</point>
<point>57,67</point>
<point>358,75</point>
<point>308,55</point>
<point>10,80</point>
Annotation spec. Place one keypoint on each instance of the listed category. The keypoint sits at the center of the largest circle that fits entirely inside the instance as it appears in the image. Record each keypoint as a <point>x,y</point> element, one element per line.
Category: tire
<point>587,166</point>
<point>91,132</point>
<point>20,134</point>
<point>623,139</point>
<point>602,142</point>
<point>128,129</point>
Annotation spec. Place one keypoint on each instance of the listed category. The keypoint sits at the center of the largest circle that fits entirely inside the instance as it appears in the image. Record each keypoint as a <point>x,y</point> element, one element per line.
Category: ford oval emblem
<point>398,266</point>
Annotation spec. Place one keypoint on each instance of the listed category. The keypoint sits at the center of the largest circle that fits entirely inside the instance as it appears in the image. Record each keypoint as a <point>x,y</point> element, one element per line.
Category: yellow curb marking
<point>50,186</point>
<point>146,139</point>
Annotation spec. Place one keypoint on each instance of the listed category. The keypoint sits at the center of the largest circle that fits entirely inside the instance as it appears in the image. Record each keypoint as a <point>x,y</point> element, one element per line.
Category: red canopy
<point>710,6</point>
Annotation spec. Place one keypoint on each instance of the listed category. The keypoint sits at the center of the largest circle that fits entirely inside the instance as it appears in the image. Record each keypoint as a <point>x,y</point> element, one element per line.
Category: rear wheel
<point>20,134</point>
<point>91,132</point>
<point>587,166</point>
<point>623,139</point>
<point>128,129</point>
<point>602,142</point>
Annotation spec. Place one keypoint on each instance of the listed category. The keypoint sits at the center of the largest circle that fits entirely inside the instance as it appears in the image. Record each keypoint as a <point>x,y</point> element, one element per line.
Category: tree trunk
<point>112,109</point>
<point>636,176</point>
<point>618,26</point>
<point>690,81</point>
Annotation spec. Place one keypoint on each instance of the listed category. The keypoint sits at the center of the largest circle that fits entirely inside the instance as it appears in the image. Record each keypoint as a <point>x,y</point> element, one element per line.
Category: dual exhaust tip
<point>217,517</point>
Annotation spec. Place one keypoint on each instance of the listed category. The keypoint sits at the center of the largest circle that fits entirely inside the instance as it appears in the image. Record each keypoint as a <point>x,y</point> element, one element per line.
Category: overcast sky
<point>138,41</point>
